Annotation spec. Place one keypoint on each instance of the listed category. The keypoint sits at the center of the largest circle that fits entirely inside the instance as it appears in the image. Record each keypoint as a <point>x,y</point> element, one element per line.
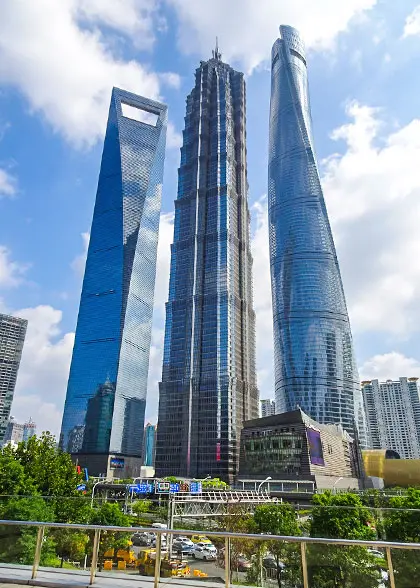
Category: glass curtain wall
<point>315,367</point>
<point>208,380</point>
<point>106,394</point>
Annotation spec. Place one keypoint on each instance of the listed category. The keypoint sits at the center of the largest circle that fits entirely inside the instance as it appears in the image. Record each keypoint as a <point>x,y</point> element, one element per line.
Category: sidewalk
<point>12,575</point>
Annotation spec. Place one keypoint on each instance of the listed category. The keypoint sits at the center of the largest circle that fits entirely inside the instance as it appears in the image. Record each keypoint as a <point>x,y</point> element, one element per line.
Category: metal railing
<point>303,542</point>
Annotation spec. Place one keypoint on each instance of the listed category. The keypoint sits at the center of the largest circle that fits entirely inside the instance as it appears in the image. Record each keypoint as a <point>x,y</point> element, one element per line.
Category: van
<point>159,526</point>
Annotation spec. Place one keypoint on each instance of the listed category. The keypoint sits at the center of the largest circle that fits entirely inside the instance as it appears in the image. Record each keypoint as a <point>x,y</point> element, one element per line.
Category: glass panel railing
<point>406,565</point>
<point>18,543</point>
<point>347,566</point>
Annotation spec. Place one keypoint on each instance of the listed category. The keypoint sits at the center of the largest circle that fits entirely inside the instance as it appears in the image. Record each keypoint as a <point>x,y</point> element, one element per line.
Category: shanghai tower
<point>103,417</point>
<point>315,367</point>
<point>208,383</point>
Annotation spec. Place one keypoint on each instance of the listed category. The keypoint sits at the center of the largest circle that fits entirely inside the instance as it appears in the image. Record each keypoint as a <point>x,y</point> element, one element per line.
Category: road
<point>208,567</point>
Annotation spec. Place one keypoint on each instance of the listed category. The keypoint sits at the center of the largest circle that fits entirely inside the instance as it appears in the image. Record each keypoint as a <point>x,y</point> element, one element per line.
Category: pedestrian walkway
<point>12,575</point>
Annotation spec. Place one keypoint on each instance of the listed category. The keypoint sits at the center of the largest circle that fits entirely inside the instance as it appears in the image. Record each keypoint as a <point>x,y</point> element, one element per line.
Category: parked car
<point>184,541</point>
<point>141,540</point>
<point>185,548</point>
<point>205,551</point>
<point>241,564</point>
<point>201,539</point>
<point>269,562</point>
<point>159,526</point>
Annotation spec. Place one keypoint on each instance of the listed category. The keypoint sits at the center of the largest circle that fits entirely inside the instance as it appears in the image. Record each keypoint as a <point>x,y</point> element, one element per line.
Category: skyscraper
<point>14,431</point>
<point>393,415</point>
<point>149,445</point>
<point>29,430</point>
<point>104,411</point>
<point>12,338</point>
<point>208,383</point>
<point>314,361</point>
<point>268,407</point>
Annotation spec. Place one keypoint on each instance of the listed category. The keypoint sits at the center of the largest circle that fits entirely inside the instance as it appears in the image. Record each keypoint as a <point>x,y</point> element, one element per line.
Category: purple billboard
<point>315,447</point>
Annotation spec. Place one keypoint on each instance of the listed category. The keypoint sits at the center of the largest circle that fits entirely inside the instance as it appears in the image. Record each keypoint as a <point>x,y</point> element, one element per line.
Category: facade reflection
<point>208,380</point>
<point>314,361</point>
<point>104,411</point>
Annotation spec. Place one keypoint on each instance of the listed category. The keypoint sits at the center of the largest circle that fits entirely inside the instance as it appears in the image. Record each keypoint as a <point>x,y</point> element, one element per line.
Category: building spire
<point>216,53</point>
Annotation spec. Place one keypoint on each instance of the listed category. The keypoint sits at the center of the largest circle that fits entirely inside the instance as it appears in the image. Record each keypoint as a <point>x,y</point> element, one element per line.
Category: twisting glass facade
<point>208,381</point>
<point>106,394</point>
<point>314,361</point>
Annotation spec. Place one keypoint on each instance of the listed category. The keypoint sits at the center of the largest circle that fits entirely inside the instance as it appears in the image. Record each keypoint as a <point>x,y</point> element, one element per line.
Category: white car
<point>184,541</point>
<point>204,551</point>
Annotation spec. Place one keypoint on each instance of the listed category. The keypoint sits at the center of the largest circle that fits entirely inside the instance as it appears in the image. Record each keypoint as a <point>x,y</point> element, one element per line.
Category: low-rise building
<point>291,448</point>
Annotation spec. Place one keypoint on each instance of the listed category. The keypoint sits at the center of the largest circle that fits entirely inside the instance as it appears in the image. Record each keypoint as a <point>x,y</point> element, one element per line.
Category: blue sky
<point>58,63</point>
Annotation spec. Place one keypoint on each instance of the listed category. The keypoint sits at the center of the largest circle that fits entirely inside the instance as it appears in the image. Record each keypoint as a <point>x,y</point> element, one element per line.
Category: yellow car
<point>200,539</point>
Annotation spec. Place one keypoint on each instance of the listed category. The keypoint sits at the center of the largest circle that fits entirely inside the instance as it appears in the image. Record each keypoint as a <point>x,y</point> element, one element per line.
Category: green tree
<point>342,516</point>
<point>236,519</point>
<point>140,507</point>
<point>13,478</point>
<point>17,544</point>
<point>110,514</point>
<point>214,483</point>
<point>51,470</point>
<point>70,544</point>
<point>402,523</point>
<point>280,519</point>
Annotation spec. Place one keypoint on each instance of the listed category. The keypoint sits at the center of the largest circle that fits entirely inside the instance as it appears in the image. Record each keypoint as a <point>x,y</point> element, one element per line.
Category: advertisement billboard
<point>316,454</point>
<point>116,463</point>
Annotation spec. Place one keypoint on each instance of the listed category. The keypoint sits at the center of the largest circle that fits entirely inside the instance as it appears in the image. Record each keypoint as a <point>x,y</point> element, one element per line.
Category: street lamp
<point>93,490</point>
<point>336,482</point>
<point>263,482</point>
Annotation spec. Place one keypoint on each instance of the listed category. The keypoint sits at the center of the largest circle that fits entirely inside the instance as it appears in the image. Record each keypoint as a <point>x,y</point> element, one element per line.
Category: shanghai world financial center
<point>208,386</point>
<point>106,395</point>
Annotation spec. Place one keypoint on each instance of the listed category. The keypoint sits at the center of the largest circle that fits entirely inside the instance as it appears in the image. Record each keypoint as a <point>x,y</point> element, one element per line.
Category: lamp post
<point>93,490</point>
<point>263,482</point>
<point>336,482</point>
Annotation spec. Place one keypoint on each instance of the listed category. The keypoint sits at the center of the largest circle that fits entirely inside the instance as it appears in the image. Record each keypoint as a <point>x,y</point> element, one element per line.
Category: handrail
<point>258,537</point>
<point>302,541</point>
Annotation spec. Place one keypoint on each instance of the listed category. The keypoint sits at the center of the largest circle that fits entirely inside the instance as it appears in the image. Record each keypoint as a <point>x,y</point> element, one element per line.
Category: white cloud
<point>8,184</point>
<point>173,80</point>
<point>373,196</point>
<point>132,17</point>
<point>247,29</point>
<point>262,300</point>
<point>66,70</point>
<point>79,262</point>
<point>412,23</point>
<point>166,230</point>
<point>173,138</point>
<point>11,272</point>
<point>44,369</point>
<point>390,366</point>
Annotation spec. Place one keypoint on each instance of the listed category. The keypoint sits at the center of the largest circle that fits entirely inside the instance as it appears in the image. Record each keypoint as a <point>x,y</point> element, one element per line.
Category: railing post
<point>37,554</point>
<point>158,558</point>
<point>304,564</point>
<point>390,567</point>
<point>95,552</point>
<point>227,562</point>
